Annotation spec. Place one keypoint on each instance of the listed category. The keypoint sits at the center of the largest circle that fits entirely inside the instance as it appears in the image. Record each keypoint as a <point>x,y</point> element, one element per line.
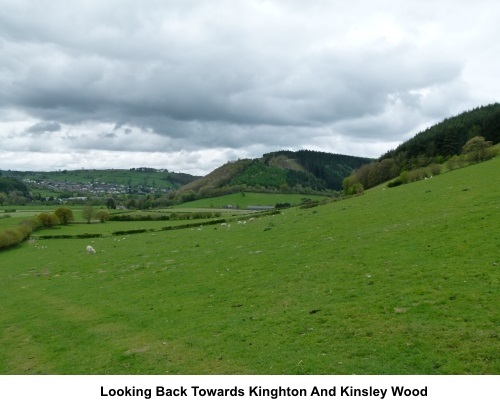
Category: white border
<point>86,390</point>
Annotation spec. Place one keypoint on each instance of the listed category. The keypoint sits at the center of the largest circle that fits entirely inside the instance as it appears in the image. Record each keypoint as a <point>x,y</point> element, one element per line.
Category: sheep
<point>90,249</point>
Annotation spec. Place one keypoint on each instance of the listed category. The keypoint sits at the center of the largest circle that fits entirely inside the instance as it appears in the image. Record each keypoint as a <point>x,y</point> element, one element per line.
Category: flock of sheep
<point>90,250</point>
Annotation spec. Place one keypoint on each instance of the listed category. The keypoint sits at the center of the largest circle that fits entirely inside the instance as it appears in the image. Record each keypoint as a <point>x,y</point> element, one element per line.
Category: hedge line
<point>130,232</point>
<point>14,236</point>
<point>184,226</point>
<point>79,236</point>
<point>164,217</point>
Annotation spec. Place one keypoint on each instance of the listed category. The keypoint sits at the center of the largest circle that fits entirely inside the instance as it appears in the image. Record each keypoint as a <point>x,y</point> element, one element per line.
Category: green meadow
<point>396,281</point>
<point>245,199</point>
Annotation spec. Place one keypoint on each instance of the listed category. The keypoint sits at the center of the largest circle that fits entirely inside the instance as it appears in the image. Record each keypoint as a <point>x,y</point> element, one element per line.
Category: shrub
<point>65,215</point>
<point>309,204</point>
<point>88,213</point>
<point>13,236</point>
<point>395,183</point>
<point>48,220</point>
<point>129,232</point>
<point>475,149</point>
<point>416,175</point>
<point>489,154</point>
<point>435,169</point>
<point>355,189</point>
<point>33,223</point>
<point>79,236</point>
<point>102,216</point>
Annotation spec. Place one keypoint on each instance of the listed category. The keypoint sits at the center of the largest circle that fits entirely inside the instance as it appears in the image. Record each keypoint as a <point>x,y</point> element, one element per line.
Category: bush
<point>476,149</point>
<point>309,204</point>
<point>13,236</point>
<point>489,154</point>
<point>395,183</point>
<point>48,220</point>
<point>456,162</point>
<point>130,232</point>
<point>416,175</point>
<point>65,215</point>
<point>33,223</point>
<point>102,216</point>
<point>79,236</point>
<point>435,169</point>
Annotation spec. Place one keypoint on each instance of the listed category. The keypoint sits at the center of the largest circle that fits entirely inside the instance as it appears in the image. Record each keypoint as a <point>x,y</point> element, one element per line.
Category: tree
<point>48,220</point>
<point>102,216</point>
<point>476,148</point>
<point>88,213</point>
<point>110,203</point>
<point>65,215</point>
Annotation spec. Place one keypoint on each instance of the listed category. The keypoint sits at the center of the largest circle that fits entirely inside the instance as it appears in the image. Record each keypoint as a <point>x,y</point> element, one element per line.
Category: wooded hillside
<point>283,171</point>
<point>448,137</point>
<point>437,144</point>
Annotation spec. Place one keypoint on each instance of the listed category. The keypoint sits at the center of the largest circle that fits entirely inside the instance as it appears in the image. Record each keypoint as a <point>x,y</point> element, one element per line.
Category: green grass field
<point>243,200</point>
<point>397,281</point>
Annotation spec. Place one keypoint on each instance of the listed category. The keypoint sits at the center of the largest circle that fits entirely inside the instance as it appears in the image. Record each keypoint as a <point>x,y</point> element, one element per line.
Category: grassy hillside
<point>397,281</point>
<point>218,178</point>
<point>458,140</point>
<point>243,200</point>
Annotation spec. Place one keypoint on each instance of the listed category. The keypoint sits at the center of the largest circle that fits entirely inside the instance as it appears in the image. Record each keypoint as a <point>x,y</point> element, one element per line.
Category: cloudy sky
<point>188,85</point>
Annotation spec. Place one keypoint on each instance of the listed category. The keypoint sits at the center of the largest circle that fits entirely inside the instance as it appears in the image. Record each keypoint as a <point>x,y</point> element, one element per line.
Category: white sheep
<point>90,249</point>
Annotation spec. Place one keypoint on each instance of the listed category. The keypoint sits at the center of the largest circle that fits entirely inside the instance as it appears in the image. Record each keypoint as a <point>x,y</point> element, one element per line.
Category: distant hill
<point>9,185</point>
<point>132,181</point>
<point>283,171</point>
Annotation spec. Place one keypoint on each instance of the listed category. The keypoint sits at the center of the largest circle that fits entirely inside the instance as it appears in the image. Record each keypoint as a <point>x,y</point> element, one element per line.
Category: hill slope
<point>448,137</point>
<point>131,181</point>
<point>436,144</point>
<point>302,171</point>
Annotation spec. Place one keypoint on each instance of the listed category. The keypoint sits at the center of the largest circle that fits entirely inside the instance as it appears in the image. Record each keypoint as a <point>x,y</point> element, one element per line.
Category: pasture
<point>250,199</point>
<point>397,281</point>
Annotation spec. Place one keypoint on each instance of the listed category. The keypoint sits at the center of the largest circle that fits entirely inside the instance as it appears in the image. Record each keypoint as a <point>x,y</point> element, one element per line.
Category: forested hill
<point>283,171</point>
<point>456,140</point>
<point>330,168</point>
<point>9,185</point>
<point>448,137</point>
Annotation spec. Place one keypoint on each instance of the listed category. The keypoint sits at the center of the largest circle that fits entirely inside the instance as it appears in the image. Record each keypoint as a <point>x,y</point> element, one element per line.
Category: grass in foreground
<point>398,281</point>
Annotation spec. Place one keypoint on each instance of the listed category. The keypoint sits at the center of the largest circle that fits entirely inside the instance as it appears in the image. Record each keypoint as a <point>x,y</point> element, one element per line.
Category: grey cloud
<point>108,135</point>
<point>236,83</point>
<point>170,76</point>
<point>42,127</point>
